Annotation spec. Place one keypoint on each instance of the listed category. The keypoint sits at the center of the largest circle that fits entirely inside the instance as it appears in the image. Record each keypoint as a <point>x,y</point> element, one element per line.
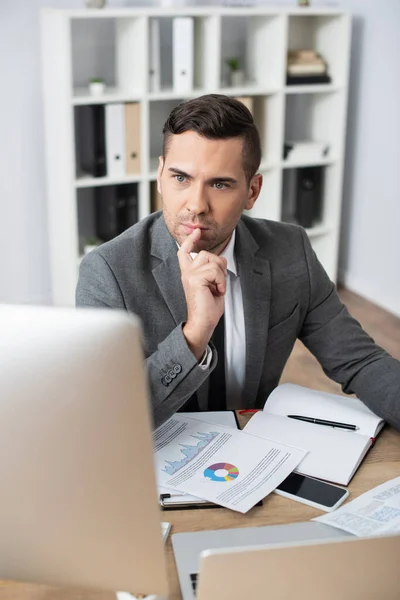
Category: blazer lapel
<point>255,280</point>
<point>167,272</point>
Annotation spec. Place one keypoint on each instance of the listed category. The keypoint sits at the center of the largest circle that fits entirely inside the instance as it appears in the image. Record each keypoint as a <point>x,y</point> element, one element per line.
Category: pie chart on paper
<point>221,472</point>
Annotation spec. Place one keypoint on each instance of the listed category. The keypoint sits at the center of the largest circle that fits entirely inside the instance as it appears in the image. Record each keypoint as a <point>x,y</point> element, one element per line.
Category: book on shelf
<point>307,79</point>
<point>116,209</point>
<point>155,197</point>
<point>299,69</point>
<point>182,53</point>
<point>306,64</point>
<point>154,56</point>
<point>132,138</point>
<point>115,139</point>
<point>305,55</point>
<point>333,454</point>
<point>90,139</point>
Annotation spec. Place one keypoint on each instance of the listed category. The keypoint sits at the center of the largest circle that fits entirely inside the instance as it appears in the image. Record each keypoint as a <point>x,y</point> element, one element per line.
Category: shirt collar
<point>229,254</point>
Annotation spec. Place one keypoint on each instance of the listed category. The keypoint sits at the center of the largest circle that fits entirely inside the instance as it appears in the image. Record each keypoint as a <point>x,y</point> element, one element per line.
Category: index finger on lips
<point>187,247</point>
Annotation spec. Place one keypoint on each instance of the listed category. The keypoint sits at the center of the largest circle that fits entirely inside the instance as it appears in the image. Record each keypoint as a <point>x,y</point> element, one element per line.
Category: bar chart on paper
<point>189,452</point>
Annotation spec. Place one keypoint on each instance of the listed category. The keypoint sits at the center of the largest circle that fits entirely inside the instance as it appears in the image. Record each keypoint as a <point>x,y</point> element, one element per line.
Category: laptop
<point>341,569</point>
<point>306,561</point>
<point>78,502</point>
<point>189,547</point>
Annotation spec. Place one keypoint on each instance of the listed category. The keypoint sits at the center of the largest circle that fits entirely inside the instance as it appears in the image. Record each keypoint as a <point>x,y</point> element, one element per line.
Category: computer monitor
<point>78,501</point>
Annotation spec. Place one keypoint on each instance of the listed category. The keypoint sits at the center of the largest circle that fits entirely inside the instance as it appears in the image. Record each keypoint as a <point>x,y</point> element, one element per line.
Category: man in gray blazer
<point>219,292</point>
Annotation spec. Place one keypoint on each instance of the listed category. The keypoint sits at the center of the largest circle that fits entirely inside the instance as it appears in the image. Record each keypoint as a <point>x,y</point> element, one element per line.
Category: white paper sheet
<point>220,464</point>
<point>373,513</point>
<point>221,417</point>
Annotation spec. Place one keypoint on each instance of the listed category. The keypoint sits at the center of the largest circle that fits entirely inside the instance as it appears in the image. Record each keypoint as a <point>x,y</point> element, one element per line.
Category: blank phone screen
<point>311,489</point>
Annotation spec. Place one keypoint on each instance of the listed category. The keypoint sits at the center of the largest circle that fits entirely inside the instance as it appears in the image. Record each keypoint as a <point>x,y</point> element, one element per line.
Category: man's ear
<point>159,172</point>
<point>254,190</point>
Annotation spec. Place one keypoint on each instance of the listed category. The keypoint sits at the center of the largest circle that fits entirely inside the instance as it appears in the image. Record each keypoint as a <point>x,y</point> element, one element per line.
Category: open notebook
<point>333,454</point>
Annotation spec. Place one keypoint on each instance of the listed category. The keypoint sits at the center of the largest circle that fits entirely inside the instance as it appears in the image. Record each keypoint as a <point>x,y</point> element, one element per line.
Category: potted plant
<point>97,86</point>
<point>237,74</point>
<point>90,243</point>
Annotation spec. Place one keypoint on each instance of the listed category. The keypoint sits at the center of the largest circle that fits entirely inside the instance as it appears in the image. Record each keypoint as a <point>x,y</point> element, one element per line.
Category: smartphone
<point>314,492</point>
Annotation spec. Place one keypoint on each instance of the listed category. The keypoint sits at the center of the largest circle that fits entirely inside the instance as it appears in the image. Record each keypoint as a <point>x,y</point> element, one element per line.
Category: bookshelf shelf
<point>322,88</point>
<point>117,45</point>
<point>81,96</point>
<point>87,181</point>
<point>296,164</point>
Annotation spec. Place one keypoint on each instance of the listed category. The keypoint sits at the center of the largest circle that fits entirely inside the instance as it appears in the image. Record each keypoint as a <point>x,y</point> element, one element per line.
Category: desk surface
<point>381,464</point>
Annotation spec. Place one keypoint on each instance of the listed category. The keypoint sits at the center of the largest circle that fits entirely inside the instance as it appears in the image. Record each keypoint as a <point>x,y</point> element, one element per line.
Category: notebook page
<point>333,453</point>
<point>291,399</point>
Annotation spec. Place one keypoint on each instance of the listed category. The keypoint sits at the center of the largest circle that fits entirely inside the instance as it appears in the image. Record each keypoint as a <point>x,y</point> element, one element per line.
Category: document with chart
<point>220,464</point>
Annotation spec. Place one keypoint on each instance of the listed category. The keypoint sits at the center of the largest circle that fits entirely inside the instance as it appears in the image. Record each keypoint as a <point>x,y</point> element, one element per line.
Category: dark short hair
<point>217,117</point>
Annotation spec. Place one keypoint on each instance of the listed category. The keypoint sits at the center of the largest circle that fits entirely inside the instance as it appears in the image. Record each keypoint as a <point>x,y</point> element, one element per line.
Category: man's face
<point>203,185</point>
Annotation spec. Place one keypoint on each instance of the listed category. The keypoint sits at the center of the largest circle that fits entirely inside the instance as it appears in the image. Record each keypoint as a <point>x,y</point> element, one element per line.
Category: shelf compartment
<point>248,39</point>
<point>304,196</point>
<point>309,117</point>
<point>326,34</point>
<point>106,212</point>
<point>205,48</point>
<point>106,48</point>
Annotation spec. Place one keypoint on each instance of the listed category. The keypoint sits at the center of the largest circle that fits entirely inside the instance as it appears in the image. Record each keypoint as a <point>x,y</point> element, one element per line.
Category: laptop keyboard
<point>193,579</point>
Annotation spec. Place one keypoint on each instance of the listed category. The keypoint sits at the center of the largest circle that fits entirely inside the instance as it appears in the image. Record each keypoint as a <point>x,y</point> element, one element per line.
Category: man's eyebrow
<point>212,180</point>
<point>179,172</point>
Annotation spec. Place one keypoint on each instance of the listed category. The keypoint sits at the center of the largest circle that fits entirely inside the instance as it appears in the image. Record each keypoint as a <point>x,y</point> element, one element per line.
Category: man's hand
<point>204,283</point>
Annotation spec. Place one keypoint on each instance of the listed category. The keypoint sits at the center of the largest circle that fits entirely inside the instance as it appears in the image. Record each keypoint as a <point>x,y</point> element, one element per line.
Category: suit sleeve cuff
<point>206,359</point>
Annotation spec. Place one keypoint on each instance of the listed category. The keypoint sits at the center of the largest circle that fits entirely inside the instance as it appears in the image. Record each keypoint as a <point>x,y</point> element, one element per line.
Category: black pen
<point>324,422</point>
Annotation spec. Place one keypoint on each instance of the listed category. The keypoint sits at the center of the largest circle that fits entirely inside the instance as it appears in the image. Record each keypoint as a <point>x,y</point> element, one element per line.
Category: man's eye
<point>180,178</point>
<point>220,186</point>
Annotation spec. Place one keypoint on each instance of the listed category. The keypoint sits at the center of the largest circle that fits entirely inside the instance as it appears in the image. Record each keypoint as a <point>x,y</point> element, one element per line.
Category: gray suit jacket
<point>286,295</point>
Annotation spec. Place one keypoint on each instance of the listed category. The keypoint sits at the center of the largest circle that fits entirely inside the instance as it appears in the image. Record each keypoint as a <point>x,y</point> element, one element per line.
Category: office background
<point>370,245</point>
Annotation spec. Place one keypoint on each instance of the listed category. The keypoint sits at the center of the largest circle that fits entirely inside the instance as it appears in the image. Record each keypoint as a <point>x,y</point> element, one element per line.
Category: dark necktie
<point>216,393</point>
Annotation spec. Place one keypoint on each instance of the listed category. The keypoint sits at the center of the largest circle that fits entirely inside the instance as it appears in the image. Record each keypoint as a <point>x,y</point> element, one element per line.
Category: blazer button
<point>168,379</point>
<point>164,381</point>
<point>177,368</point>
<point>172,374</point>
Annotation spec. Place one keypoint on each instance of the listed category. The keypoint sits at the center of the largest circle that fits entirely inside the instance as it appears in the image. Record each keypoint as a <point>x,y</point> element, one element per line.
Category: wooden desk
<point>381,464</point>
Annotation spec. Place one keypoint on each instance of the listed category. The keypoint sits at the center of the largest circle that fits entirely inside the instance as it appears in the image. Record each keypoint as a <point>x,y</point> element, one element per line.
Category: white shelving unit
<point>114,44</point>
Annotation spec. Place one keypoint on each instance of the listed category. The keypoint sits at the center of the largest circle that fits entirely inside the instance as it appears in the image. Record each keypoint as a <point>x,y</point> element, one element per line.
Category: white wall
<point>24,264</point>
<point>371,215</point>
<point>370,248</point>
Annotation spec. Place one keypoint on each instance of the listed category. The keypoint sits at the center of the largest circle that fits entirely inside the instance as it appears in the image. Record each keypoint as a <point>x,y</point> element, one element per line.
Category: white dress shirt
<point>235,342</point>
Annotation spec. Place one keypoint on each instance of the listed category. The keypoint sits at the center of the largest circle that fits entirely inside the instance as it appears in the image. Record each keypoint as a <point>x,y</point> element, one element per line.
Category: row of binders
<point>182,54</point>
<point>108,139</point>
